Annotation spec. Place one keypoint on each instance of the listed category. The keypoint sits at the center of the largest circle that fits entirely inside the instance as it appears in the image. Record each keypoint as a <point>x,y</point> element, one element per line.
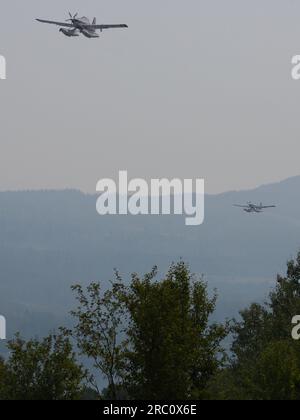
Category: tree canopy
<point>153,338</point>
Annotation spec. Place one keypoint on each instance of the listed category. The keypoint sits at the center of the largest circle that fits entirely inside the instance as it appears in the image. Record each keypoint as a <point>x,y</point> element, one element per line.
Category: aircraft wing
<point>101,27</point>
<point>51,22</point>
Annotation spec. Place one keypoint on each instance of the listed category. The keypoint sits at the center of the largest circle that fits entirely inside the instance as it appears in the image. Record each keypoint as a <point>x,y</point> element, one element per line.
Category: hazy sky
<point>194,88</point>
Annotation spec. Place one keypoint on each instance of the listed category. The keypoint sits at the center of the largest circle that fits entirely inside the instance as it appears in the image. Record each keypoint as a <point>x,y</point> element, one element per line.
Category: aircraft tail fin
<point>95,21</point>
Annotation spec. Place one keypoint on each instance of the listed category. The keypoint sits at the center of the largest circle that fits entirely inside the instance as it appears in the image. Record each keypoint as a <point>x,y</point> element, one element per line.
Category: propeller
<point>72,18</point>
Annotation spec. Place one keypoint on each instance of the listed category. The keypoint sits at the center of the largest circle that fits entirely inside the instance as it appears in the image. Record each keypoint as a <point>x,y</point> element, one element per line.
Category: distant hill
<point>52,239</point>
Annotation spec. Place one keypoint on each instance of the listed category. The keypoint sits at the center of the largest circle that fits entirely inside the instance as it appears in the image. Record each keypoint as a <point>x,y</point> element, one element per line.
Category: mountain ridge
<point>51,239</point>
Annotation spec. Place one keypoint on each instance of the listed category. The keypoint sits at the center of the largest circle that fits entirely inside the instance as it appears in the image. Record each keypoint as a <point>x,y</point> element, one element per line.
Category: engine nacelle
<point>69,32</point>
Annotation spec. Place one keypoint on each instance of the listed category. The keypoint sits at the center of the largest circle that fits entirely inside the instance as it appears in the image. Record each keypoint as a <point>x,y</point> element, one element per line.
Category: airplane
<point>253,208</point>
<point>81,25</point>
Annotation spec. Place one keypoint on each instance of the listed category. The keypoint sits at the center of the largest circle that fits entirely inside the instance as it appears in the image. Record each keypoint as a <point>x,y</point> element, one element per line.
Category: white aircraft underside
<point>82,26</point>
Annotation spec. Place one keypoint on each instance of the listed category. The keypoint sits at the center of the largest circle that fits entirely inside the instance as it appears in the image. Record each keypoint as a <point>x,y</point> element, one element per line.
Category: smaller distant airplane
<point>253,208</point>
<point>76,26</point>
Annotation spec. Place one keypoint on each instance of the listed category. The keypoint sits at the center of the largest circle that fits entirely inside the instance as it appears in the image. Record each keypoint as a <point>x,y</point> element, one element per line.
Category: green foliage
<point>223,386</point>
<point>99,325</point>
<point>172,349</point>
<point>266,361</point>
<point>41,370</point>
<point>2,378</point>
<point>277,375</point>
<point>152,339</point>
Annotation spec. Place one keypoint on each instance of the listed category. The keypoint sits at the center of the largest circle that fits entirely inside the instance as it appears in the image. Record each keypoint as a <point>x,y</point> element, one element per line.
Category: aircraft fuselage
<point>84,28</point>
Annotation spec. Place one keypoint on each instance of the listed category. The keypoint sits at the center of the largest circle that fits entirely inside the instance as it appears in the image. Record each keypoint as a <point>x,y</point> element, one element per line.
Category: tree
<point>173,350</point>
<point>98,330</point>
<point>266,361</point>
<point>277,375</point>
<point>41,370</point>
<point>252,333</point>
<point>151,339</point>
<point>285,300</point>
<point>2,377</point>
